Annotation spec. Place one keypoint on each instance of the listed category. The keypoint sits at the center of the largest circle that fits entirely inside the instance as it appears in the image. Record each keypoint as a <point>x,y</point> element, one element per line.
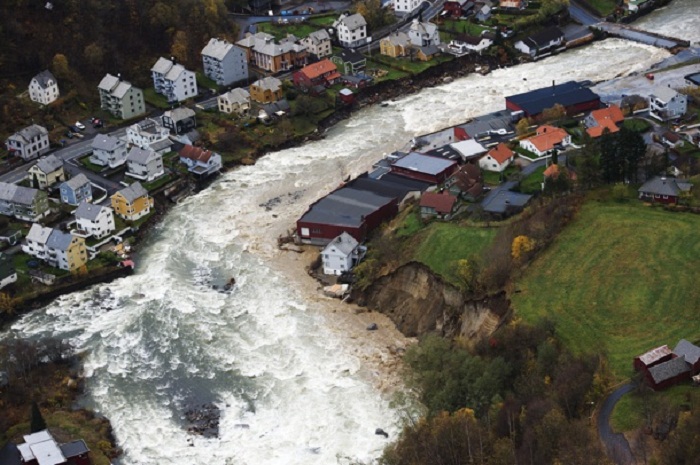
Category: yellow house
<point>266,90</point>
<point>395,45</point>
<point>73,255</point>
<point>46,172</point>
<point>57,248</point>
<point>132,203</point>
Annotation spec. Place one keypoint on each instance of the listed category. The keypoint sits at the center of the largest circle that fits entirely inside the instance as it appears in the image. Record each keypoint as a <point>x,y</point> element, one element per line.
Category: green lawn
<point>494,178</point>
<point>604,7</point>
<point>442,244</point>
<point>533,182</point>
<point>629,411</point>
<point>620,279</point>
<point>300,29</point>
<point>154,99</point>
<point>406,65</point>
<point>85,161</point>
<point>456,27</point>
<point>636,124</point>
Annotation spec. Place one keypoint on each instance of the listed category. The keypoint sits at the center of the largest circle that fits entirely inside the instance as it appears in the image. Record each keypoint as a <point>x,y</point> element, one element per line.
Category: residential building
<point>200,162</point>
<point>180,120</point>
<point>668,373</point>
<point>396,44</point>
<point>437,205</point>
<point>468,150</point>
<point>467,182</point>
<point>602,120</point>
<point>108,151</point>
<point>542,42</point>
<point>519,4</point>
<point>422,34</point>
<point>236,101</point>
<point>348,209</point>
<point>318,44</point>
<point>661,189</point>
<point>266,90</point>
<point>57,248</point>
<point>665,104</point>
<point>173,81</point>
<point>264,53</point>
<point>573,96</point>
<point>46,172</point>
<point>120,98</point>
<point>427,52</point>
<point>406,6</point>
<point>24,203</point>
<point>653,357</point>
<point>341,255</point>
<point>483,12</point>
<point>43,88</point>
<point>29,143</point>
<point>351,30</point>
<point>547,139</point>
<point>94,220</point>
<point>322,73</point>
<point>149,134</point>
<point>42,449</point>
<point>350,62</point>
<point>458,8</point>
<point>424,168</point>
<point>224,63</point>
<point>8,274</point>
<point>144,164</point>
<point>76,190</point>
<point>132,203</point>
<point>466,43</point>
<point>497,159</point>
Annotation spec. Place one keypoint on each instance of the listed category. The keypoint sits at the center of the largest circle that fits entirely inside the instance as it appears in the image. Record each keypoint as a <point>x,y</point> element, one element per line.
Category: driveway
<point>616,445</point>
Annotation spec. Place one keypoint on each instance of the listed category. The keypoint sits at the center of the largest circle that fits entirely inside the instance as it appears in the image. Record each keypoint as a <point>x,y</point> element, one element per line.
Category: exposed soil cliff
<point>420,302</point>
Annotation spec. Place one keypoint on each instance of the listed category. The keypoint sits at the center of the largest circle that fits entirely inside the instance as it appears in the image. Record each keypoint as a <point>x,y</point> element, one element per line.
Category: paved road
<point>616,445</point>
<point>580,15</point>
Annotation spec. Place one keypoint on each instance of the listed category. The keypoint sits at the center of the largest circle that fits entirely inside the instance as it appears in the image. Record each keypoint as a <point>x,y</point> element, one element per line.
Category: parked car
<point>79,125</point>
<point>97,123</point>
<point>74,129</point>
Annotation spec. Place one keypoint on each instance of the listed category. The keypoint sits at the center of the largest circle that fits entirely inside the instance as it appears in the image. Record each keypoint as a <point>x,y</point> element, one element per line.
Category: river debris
<point>203,420</point>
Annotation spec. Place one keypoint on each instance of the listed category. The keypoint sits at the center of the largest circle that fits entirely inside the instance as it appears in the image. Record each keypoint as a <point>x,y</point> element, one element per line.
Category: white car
<point>79,125</point>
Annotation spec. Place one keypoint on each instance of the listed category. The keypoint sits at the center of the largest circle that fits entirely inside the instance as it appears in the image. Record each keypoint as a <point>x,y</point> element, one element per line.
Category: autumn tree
<point>553,113</point>
<point>375,16</point>
<point>94,55</point>
<point>523,126</point>
<point>467,273</point>
<point>60,66</point>
<point>521,247</point>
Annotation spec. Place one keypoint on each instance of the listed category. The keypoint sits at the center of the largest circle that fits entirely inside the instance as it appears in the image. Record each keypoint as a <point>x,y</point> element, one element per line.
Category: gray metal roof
<point>161,145</point>
<point>319,36</point>
<point>217,48</point>
<point>423,27</point>
<point>89,211</point>
<point>29,133</point>
<point>268,83</point>
<point>352,22</point>
<point>687,349</point>
<point>7,191</point>
<point>344,243</point>
<point>24,195</point>
<point>499,201</point>
<point>345,207</point>
<point>45,79</point>
<point>424,163</point>
<point>108,82</point>
<point>492,122</point>
<point>49,164</point>
<point>77,181</point>
<point>133,192</point>
<point>179,113</point>
<point>670,369</point>
<point>75,448</point>
<point>38,233</point>
<point>398,38</point>
<point>665,186</point>
<point>174,73</point>
<point>106,142</point>
<point>139,155</point>
<point>237,95</point>
<point>59,240</point>
<point>122,88</point>
<point>162,66</point>
<point>665,94</point>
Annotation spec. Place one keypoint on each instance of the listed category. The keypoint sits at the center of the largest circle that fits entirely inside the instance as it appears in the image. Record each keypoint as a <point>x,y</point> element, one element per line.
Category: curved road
<point>616,445</point>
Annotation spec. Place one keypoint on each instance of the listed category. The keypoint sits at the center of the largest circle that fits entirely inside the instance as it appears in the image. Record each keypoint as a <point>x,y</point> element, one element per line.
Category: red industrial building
<point>571,95</point>
<point>425,168</point>
<point>653,357</point>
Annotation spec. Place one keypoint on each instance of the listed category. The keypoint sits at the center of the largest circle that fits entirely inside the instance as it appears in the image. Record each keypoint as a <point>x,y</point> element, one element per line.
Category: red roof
<point>547,137</point>
<point>195,153</point>
<point>501,153</point>
<point>320,68</point>
<point>607,118</point>
<point>442,203</point>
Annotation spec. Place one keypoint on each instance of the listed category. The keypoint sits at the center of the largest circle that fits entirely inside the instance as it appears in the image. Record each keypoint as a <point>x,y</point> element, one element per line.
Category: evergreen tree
<point>37,422</point>
<point>610,163</point>
<point>632,149</point>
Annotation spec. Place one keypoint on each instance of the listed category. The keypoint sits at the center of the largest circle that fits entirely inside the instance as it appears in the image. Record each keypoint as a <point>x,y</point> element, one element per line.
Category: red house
<point>663,190</point>
<point>322,73</point>
<point>440,205</point>
<point>425,168</point>
<point>667,374</point>
<point>42,449</point>
<point>347,209</point>
<point>653,357</point>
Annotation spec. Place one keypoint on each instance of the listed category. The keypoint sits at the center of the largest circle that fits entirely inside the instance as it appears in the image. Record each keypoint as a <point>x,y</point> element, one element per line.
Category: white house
<point>318,43</point>
<point>497,159</point>
<point>144,164</point>
<point>546,140</point>
<point>406,6</point>
<point>235,101</point>
<point>665,103</point>
<point>149,134</point>
<point>465,43</point>
<point>199,161</point>
<point>43,88</point>
<point>57,248</point>
<point>108,151</point>
<point>94,220</point>
<point>542,42</point>
<point>342,254</point>
<point>29,143</point>
<point>351,30</point>
<point>173,81</point>
<point>224,63</point>
<point>120,98</point>
<point>422,34</point>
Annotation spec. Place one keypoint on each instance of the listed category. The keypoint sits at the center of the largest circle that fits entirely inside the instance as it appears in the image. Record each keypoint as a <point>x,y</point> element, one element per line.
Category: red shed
<point>667,374</point>
<point>425,168</point>
<point>346,96</point>
<point>653,357</point>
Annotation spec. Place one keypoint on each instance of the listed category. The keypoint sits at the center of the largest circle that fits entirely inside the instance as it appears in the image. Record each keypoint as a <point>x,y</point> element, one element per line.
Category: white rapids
<point>287,377</point>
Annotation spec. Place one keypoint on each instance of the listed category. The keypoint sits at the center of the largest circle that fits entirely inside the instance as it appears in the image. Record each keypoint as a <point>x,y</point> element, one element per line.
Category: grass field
<point>629,411</point>
<point>621,279</point>
<point>442,244</point>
